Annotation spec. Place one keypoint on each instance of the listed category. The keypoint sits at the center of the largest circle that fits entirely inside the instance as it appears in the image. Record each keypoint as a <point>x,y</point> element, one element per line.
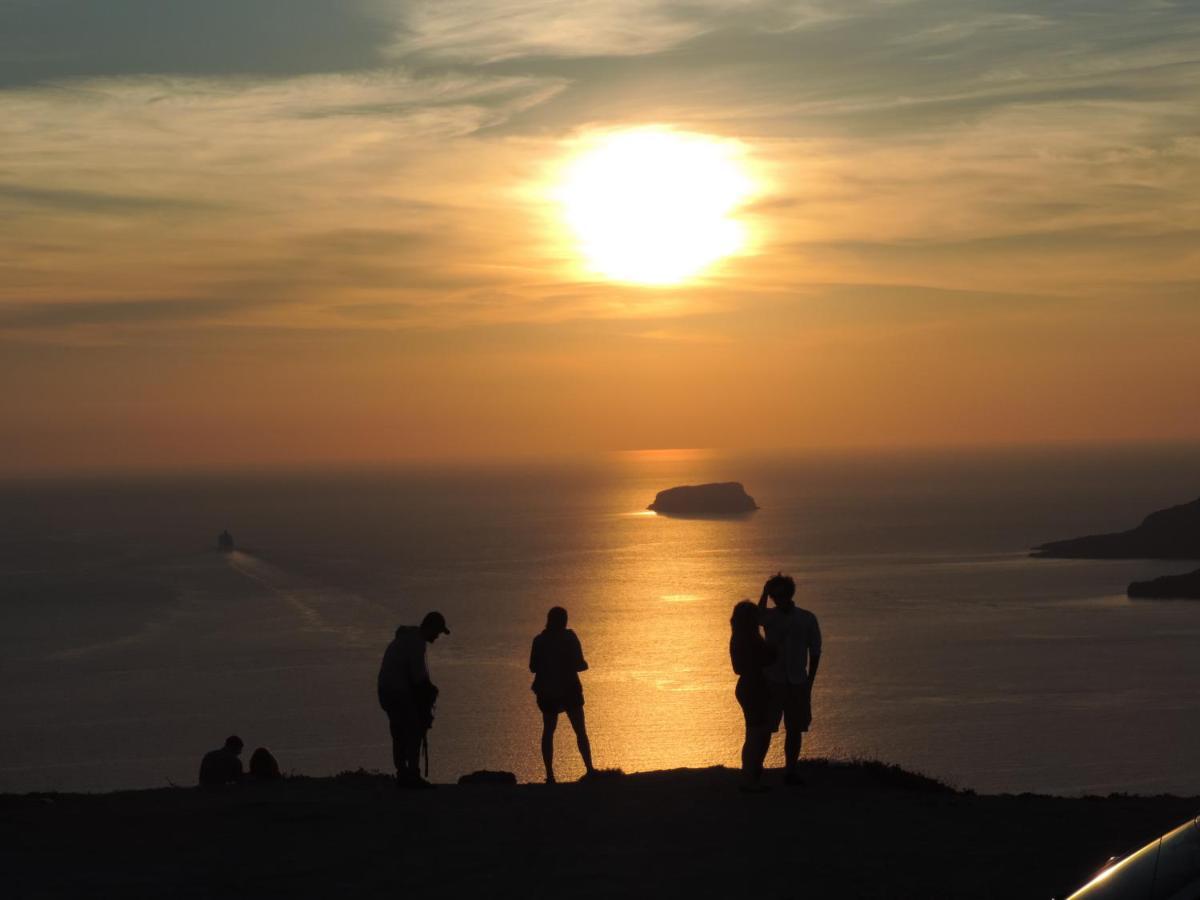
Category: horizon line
<point>512,459</point>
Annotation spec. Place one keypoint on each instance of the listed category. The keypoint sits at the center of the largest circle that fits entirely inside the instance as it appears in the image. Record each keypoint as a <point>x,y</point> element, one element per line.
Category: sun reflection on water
<point>660,693</point>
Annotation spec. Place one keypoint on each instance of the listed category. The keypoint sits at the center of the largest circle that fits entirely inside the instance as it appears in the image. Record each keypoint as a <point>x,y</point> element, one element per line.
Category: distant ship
<point>225,542</point>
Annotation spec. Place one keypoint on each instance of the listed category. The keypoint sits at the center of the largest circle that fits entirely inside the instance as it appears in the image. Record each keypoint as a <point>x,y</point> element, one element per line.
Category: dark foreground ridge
<point>1168,587</point>
<point>854,830</point>
<point>1172,533</point>
<point>727,498</point>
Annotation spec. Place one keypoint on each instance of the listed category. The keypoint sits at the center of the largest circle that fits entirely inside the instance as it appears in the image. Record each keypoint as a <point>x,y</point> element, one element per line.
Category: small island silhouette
<point>727,498</point>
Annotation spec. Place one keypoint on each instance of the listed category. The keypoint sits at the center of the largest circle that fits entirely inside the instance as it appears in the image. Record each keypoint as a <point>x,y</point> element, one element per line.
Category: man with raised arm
<point>408,696</point>
<point>796,637</point>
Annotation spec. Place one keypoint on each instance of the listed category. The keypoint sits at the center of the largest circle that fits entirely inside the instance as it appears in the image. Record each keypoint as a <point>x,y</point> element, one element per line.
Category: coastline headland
<point>853,830</point>
<point>1172,533</point>
<point>1168,587</point>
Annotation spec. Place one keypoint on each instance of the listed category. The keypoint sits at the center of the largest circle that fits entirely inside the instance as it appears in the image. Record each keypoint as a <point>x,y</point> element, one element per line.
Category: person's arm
<point>767,654</point>
<point>814,652</point>
<point>580,663</point>
<point>534,661</point>
<point>417,670</point>
<point>762,599</point>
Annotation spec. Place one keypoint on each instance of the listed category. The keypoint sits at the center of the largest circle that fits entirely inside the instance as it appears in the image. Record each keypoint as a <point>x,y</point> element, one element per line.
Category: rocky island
<point>1172,533</point>
<point>727,498</point>
<point>1168,587</point>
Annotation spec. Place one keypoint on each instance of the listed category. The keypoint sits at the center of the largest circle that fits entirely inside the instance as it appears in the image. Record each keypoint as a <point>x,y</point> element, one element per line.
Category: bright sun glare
<point>655,206</point>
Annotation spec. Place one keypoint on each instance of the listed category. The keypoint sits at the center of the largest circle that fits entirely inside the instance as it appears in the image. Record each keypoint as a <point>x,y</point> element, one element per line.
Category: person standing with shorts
<point>796,636</point>
<point>556,659</point>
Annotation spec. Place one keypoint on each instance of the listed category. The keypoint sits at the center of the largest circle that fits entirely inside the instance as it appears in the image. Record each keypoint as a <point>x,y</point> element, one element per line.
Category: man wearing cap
<point>407,695</point>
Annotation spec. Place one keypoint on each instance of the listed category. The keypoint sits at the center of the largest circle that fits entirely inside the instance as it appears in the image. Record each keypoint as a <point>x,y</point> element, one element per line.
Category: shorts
<point>791,704</point>
<point>755,704</point>
<point>552,706</point>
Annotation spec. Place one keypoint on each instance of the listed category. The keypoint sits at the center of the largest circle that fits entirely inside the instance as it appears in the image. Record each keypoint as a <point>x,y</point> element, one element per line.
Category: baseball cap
<point>436,621</point>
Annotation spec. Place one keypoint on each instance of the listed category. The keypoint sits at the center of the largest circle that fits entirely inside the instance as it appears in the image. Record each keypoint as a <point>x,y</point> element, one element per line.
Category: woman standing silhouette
<point>750,654</point>
<point>556,659</point>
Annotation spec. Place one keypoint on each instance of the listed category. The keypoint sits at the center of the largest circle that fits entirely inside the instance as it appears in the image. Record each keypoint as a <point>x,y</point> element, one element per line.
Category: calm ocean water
<point>129,646</point>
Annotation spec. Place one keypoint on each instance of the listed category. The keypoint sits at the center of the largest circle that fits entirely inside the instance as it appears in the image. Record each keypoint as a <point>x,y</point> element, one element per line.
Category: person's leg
<point>575,715</point>
<point>747,755</point>
<point>791,749</point>
<point>396,727</point>
<point>412,752</point>
<point>751,764</point>
<point>549,724</point>
<point>776,703</point>
<point>796,719</point>
<point>406,744</point>
<point>760,738</point>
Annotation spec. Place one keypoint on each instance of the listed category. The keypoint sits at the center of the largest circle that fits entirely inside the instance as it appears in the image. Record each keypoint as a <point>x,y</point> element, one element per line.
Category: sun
<point>655,206</point>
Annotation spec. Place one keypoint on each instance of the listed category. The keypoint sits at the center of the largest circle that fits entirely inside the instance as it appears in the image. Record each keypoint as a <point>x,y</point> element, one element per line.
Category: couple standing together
<point>775,675</point>
<point>775,678</point>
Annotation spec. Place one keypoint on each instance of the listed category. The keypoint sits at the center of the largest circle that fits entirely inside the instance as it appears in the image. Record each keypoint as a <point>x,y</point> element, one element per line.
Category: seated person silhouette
<point>223,766</point>
<point>556,659</point>
<point>263,765</point>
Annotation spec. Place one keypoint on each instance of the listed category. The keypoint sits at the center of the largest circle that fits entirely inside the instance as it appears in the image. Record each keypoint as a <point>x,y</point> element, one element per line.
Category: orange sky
<point>337,238</point>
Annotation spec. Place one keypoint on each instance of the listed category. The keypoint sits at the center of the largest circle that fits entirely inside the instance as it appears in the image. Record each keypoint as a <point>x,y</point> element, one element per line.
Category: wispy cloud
<point>381,164</point>
<point>52,40</point>
<point>260,229</point>
<point>101,202</point>
<point>50,315</point>
<point>487,31</point>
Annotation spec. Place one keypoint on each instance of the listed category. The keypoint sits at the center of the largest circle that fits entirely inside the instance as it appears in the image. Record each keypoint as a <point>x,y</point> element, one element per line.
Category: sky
<point>301,231</point>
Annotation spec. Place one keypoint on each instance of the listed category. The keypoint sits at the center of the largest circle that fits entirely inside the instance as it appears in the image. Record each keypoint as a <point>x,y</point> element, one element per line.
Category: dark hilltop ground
<point>855,830</point>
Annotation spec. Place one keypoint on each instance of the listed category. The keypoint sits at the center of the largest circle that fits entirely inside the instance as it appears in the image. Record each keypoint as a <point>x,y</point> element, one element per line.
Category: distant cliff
<point>1167,534</point>
<point>724,499</point>
<point>1168,587</point>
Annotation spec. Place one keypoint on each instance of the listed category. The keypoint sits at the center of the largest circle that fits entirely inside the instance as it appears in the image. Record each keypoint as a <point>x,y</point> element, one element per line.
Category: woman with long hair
<point>556,659</point>
<point>750,654</point>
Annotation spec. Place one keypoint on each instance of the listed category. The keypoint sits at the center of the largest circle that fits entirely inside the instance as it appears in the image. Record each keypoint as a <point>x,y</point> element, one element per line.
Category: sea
<point>129,645</point>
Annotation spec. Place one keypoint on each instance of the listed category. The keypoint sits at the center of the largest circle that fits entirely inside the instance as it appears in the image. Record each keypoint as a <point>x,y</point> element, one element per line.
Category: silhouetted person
<point>263,765</point>
<point>751,654</point>
<point>408,696</point>
<point>796,636</point>
<point>222,766</point>
<point>556,659</point>
<point>225,542</point>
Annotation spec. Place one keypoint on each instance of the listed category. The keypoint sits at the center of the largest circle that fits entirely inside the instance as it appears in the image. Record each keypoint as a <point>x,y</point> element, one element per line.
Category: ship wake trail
<point>349,618</point>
